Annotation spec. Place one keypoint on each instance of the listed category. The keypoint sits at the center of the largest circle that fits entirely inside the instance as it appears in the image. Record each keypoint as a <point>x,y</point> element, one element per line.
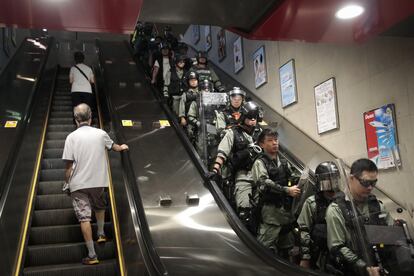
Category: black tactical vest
<point>231,116</point>
<point>176,83</point>
<point>190,96</point>
<point>373,207</point>
<point>319,230</point>
<point>279,175</point>
<point>203,74</point>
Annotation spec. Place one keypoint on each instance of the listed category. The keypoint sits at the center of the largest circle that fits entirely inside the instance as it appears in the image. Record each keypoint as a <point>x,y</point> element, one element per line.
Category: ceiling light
<point>349,12</point>
<point>45,30</point>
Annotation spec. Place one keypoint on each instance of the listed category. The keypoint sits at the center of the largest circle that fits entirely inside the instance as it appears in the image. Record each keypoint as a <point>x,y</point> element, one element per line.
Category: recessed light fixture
<point>349,12</point>
<point>45,30</point>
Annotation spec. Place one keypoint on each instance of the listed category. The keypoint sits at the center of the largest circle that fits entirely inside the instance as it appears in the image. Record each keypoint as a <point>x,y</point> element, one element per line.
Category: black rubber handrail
<point>11,160</point>
<point>218,195</point>
<point>156,264</point>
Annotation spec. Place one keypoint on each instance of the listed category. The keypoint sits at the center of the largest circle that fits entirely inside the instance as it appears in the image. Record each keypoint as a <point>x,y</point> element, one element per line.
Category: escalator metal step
<point>62,233</point>
<point>58,127</point>
<point>62,102</point>
<point>61,108</point>
<point>54,217</point>
<point>54,153</point>
<point>52,174</point>
<point>63,121</point>
<point>53,163</point>
<point>105,268</point>
<point>52,254</point>
<point>55,144</point>
<point>55,201</point>
<point>56,135</point>
<point>50,187</point>
<point>61,114</point>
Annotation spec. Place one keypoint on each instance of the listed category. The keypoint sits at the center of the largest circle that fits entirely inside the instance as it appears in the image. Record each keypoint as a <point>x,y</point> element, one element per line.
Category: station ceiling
<point>288,20</point>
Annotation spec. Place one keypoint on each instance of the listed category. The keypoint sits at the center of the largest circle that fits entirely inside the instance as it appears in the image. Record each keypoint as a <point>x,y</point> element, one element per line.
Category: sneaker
<point>102,239</point>
<point>90,261</point>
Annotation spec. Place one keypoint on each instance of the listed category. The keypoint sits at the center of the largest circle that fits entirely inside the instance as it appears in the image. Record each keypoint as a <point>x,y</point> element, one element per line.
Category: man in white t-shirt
<point>81,77</point>
<point>161,68</point>
<point>87,175</point>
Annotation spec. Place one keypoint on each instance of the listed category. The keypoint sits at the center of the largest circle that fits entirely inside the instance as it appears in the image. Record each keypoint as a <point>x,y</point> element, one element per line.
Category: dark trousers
<point>82,97</point>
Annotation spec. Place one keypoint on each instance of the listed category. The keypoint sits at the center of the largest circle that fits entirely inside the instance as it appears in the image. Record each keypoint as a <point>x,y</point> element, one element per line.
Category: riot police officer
<point>188,97</point>
<point>311,220</point>
<point>345,246</point>
<point>236,150</point>
<point>230,115</point>
<point>175,82</point>
<point>274,195</point>
<point>206,72</point>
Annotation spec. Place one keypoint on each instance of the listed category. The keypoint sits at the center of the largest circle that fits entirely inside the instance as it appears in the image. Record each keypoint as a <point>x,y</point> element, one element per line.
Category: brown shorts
<point>86,200</point>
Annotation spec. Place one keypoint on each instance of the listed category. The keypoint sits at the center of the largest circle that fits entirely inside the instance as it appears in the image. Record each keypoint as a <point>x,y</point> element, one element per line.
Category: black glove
<point>214,176</point>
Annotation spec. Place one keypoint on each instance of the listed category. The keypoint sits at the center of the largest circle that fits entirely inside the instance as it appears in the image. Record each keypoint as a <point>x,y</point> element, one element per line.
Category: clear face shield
<point>328,182</point>
<point>208,136</point>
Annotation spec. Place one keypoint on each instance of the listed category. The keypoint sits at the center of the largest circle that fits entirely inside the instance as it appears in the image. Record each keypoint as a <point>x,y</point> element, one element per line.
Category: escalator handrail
<point>232,218</point>
<point>9,61</point>
<point>8,169</point>
<point>156,264</point>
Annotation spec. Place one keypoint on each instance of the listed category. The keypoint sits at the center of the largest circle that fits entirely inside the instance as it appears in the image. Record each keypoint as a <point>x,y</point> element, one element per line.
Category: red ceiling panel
<point>315,21</point>
<point>75,15</point>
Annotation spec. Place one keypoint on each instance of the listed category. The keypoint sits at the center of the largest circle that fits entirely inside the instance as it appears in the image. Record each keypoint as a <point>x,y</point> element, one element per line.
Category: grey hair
<point>82,113</point>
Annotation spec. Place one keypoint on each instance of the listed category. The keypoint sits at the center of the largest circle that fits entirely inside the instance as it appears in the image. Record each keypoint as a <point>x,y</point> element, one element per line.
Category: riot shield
<point>378,214</point>
<point>208,138</point>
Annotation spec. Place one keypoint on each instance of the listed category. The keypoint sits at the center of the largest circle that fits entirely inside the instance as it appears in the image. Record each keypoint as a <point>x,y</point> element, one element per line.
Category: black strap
<point>82,73</point>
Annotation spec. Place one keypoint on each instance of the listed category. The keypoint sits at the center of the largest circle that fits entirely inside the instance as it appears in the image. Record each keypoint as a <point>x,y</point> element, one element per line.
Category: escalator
<point>55,245</point>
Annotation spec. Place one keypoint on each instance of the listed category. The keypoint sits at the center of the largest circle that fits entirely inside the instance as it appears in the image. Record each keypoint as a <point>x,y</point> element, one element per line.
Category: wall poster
<point>207,36</point>
<point>196,34</point>
<point>259,65</point>
<point>381,136</point>
<point>287,78</point>
<point>221,39</point>
<point>326,106</point>
<point>238,55</point>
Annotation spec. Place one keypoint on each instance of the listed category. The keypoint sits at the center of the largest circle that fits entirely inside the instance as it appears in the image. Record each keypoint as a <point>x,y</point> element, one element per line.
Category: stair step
<point>54,201</point>
<point>62,102</point>
<point>104,268</point>
<point>54,217</point>
<point>55,144</point>
<point>62,121</point>
<point>61,108</point>
<point>62,233</point>
<point>53,153</point>
<point>50,187</point>
<point>61,114</point>
<point>53,163</point>
<point>52,254</point>
<point>56,135</point>
<point>59,127</point>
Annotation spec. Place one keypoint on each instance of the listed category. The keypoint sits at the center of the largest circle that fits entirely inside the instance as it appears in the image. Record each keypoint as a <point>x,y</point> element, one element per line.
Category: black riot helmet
<point>201,54</point>
<point>206,86</point>
<point>250,110</point>
<point>327,176</point>
<point>191,75</point>
<point>237,91</point>
<point>179,58</point>
<point>164,45</point>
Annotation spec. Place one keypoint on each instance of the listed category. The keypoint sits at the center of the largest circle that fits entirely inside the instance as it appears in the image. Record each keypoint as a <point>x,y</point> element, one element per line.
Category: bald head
<point>82,113</point>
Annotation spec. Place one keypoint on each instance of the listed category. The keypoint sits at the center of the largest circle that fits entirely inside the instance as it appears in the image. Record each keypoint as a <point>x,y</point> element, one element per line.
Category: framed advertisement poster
<point>287,77</point>
<point>196,34</point>
<point>221,40</point>
<point>326,106</point>
<point>259,65</point>
<point>207,38</point>
<point>381,136</point>
<point>238,55</point>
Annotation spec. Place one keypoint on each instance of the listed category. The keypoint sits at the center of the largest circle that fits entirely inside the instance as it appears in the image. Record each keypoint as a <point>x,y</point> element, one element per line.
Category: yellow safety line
<point>113,205</point>
<point>34,181</point>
